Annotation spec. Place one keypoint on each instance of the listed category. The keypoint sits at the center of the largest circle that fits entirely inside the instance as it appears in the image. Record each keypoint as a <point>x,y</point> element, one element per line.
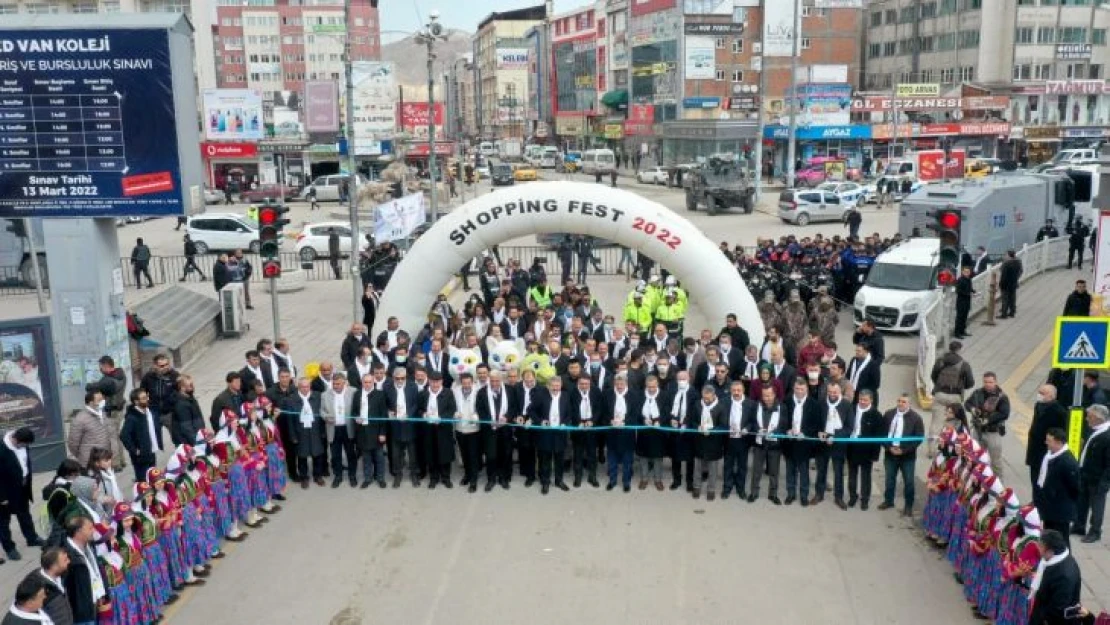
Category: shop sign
<point>210,150</point>
<point>1042,132</point>
<point>705,102</point>
<point>940,129</point>
<point>614,131</point>
<point>985,128</point>
<point>870,104</point>
<point>743,103</point>
<point>640,119</point>
<point>568,126</point>
<point>714,29</point>
<point>826,133</point>
<point>886,131</point>
<point>1082,133</point>
<point>421,149</point>
<point>271,148</point>
<point>917,90</point>
<point>329,149</point>
<point>1081,87</point>
<point>1073,51</point>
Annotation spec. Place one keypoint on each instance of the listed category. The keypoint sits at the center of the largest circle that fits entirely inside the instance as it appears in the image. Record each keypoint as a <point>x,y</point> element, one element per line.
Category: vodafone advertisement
<point>210,150</point>
<point>931,166</point>
<point>414,119</point>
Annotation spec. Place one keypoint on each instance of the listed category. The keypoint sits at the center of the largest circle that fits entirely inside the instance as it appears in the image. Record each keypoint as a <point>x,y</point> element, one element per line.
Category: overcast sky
<point>409,15</point>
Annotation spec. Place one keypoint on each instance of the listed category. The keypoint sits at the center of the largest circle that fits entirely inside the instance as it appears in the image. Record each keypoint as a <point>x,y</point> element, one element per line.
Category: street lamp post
<point>432,31</point>
<point>352,175</point>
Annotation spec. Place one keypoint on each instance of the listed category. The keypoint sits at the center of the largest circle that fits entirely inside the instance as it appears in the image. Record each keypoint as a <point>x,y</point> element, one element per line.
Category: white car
<point>312,242</point>
<point>901,285</point>
<point>213,196</point>
<point>225,232</point>
<point>482,171</point>
<point>850,193</point>
<point>327,187</point>
<point>652,175</point>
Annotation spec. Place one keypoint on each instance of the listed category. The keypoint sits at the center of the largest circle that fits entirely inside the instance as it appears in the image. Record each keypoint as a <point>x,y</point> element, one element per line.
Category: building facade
<point>500,52</point>
<point>574,58</point>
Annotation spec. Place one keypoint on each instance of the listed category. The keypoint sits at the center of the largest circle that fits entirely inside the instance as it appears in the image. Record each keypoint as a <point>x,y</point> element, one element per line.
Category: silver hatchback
<point>804,206</point>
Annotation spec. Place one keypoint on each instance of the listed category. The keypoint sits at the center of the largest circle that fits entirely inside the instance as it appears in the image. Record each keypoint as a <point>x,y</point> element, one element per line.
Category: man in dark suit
<point>765,422</point>
<point>83,568</point>
<point>736,449</point>
<point>437,361</point>
<point>367,405</point>
<point>838,426</point>
<point>552,410</point>
<point>1094,475</point>
<point>588,411</point>
<point>231,398</point>
<point>710,421</point>
<point>435,404</point>
<point>1048,413</point>
<point>513,326</point>
<point>352,343</point>
<point>623,406</point>
<point>782,370</point>
<point>1056,486</point>
<point>363,365</point>
<point>401,402</point>
<point>15,490</point>
<point>805,419</point>
<point>864,372</point>
<point>1056,597</point>
<point>867,422</point>
<point>308,431</point>
<point>495,405</point>
<point>679,404</point>
<point>141,434</point>
<point>901,422</point>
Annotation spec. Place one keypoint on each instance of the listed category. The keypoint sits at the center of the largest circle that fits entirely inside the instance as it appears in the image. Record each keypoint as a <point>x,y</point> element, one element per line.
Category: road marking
<point>1017,378</point>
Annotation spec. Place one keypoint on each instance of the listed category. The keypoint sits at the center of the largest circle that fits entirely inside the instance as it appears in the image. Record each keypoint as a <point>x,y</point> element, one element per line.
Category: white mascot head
<point>505,355</point>
<point>460,361</point>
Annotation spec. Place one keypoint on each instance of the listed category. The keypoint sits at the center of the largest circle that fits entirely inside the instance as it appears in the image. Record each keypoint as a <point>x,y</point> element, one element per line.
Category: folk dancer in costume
<point>939,480</point>
<point>968,484</point>
<point>983,506</point>
<point>136,573</point>
<point>991,584</point>
<point>235,465</point>
<point>1023,557</point>
<point>276,466</point>
<point>157,559</point>
<point>167,511</point>
<point>120,608</point>
<point>251,438</point>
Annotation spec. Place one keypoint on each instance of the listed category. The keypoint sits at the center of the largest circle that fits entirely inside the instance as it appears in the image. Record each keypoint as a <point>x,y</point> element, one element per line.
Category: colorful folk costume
<point>136,573</point>
<point>235,464</point>
<point>218,491</point>
<point>969,484</point>
<point>252,441</point>
<point>166,510</point>
<point>1019,567</point>
<point>157,562</point>
<point>942,483</point>
<point>983,507</point>
<point>991,585</point>
<point>196,537</point>
<point>276,468</point>
<point>120,609</point>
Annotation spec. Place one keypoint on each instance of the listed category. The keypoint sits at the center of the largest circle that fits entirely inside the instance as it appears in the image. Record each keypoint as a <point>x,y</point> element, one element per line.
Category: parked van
<point>900,286</point>
<point>549,158</point>
<point>598,161</point>
<point>487,149</point>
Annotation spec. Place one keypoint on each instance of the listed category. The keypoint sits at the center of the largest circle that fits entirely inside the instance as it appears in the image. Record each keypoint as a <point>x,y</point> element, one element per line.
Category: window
<point>889,48</point>
<point>948,75</point>
<point>925,44</point>
<point>1073,34</point>
<point>1098,36</point>
<point>877,19</point>
<point>8,9</point>
<point>972,5</point>
<point>1022,71</point>
<point>891,16</point>
<point>737,45</point>
<point>969,39</point>
<point>947,7</point>
<point>947,41</point>
<point>805,43</point>
<point>719,43</point>
<point>1042,72</point>
<point>967,74</point>
<point>720,74</point>
<point>1094,71</point>
<point>737,75</point>
<point>1046,34</point>
<point>908,15</point>
<point>874,50</point>
<point>1024,34</point>
<point>929,9</point>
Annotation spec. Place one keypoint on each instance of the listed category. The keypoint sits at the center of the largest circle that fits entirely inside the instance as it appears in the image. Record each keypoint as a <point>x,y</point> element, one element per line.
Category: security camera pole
<point>428,37</point>
<point>352,172</point>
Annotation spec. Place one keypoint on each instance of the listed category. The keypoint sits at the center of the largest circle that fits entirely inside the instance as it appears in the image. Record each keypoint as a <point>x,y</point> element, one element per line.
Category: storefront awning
<point>615,99</point>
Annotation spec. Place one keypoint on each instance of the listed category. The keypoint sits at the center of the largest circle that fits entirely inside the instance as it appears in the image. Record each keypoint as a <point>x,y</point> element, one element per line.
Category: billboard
<point>917,90</point>
<point>780,20</point>
<point>282,110</point>
<point>321,106</point>
<point>641,117</point>
<point>397,219</point>
<point>89,125</point>
<point>968,103</point>
<point>512,58</point>
<point>701,56</point>
<point>415,118</point>
<point>29,387</point>
<point>825,104</point>
<point>233,115</point>
<point>375,108</point>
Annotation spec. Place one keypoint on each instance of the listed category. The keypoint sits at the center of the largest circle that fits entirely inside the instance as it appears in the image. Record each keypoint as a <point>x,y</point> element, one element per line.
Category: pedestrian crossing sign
<point>1081,343</point>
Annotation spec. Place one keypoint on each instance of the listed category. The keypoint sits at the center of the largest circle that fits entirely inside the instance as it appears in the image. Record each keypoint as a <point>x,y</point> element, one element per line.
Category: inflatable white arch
<point>574,208</point>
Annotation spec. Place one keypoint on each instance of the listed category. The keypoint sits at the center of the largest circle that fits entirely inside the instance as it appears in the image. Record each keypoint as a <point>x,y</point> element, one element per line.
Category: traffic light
<point>947,225</point>
<point>270,224</point>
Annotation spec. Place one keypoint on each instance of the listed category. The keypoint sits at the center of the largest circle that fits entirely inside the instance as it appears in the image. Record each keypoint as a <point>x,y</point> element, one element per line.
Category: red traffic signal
<point>271,215</point>
<point>946,277</point>
<point>271,269</point>
<point>949,220</point>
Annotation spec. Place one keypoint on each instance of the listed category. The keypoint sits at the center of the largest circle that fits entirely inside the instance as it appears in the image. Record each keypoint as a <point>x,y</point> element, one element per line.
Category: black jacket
<point>366,436</point>
<point>162,389</point>
<point>78,583</point>
<point>1009,274</point>
<point>540,410</point>
<point>13,486</point>
<point>622,439</point>
<point>709,446</point>
<point>912,426</point>
<point>1059,591</point>
<point>870,378</point>
<point>225,400</point>
<point>1057,498</point>
<point>1078,304</point>
<point>111,386</point>
<point>56,605</point>
<point>753,423</point>
<point>875,343</point>
<point>872,425</point>
<point>1095,469</point>
<point>187,419</point>
<point>135,434</point>
<point>402,430</point>
<point>221,277</point>
<point>1046,415</point>
<point>348,352</point>
<point>813,423</point>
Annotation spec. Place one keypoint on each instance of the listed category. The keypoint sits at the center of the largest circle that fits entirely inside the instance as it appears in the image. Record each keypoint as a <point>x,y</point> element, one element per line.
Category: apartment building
<point>500,50</point>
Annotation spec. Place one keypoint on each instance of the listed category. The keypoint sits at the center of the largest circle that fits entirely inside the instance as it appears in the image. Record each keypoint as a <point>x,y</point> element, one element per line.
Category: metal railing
<point>939,317</point>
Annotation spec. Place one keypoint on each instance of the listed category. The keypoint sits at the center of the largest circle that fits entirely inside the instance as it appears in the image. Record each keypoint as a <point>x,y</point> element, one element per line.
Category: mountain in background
<point>411,58</point>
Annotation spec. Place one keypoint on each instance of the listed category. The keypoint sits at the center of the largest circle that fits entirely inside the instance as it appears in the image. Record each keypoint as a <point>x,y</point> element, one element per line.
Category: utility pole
<point>759,128</point>
<point>352,176</point>
<point>432,129</point>
<point>791,141</point>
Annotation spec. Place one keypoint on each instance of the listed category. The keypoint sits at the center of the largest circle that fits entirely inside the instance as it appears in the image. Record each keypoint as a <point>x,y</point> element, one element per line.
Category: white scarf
<point>526,391</point>
<point>857,369</point>
<point>796,417</point>
<point>431,411</point>
<point>28,616</point>
<point>402,407</point>
<point>364,406</point>
<point>109,477</point>
<point>497,411</point>
<point>468,418</point>
<point>651,410</point>
<point>585,413</point>
<point>306,411</point>
<point>620,408</point>
<point>1042,566</point>
<point>896,425</point>
<point>751,369</point>
<point>54,580</point>
<point>553,417</point>
<point>288,360</point>
<point>151,430</point>
<point>20,452</point>
<point>859,421</point>
<point>1049,457</point>
<point>1099,430</point>
<point>97,582</point>
<point>833,423</point>
<point>735,418</point>
<point>340,409</point>
<point>706,424</point>
<point>678,408</point>
<point>772,424</point>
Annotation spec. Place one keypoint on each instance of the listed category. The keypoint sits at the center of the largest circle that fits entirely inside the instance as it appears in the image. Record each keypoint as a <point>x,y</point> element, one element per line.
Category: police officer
<point>1048,231</point>
<point>671,313</point>
<point>1077,241</point>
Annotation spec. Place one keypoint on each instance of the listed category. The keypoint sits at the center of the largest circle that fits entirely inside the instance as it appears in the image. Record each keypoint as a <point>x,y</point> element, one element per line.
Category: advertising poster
<point>932,165</point>
<point>29,388</point>
<point>233,115</point>
<point>512,58</point>
<point>825,104</point>
<point>398,219</point>
<point>779,25</point>
<point>282,110</point>
<point>1101,295</point>
<point>88,124</point>
<point>414,119</point>
<point>375,105</point>
<point>641,117</point>
<point>701,55</point>
<point>321,106</point>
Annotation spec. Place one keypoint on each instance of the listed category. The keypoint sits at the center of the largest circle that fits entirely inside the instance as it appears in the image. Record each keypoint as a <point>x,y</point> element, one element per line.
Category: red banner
<point>985,128</point>
<point>420,150</point>
<point>210,150</point>
<point>972,103</point>
<point>641,118</point>
<point>414,117</point>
